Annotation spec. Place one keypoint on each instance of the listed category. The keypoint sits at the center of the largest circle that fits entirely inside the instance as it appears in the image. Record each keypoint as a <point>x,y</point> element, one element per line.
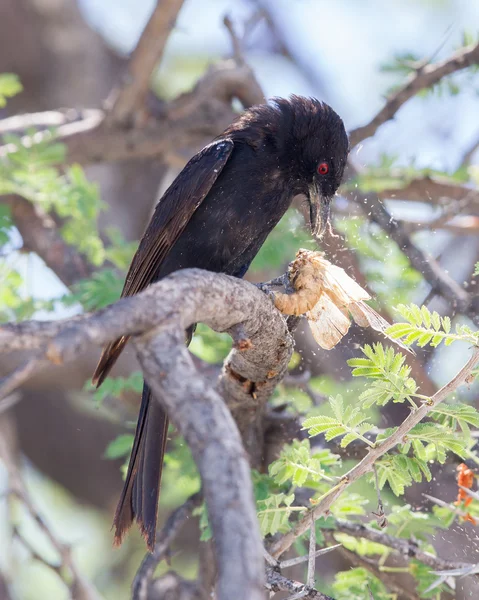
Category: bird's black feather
<point>216,216</point>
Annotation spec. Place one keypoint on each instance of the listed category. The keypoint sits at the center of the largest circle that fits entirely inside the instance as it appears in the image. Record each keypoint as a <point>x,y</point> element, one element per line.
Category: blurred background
<point>70,54</point>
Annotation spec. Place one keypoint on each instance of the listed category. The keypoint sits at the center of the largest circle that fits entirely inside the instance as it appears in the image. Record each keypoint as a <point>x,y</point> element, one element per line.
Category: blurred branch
<point>395,585</point>
<point>440,281</point>
<point>431,190</point>
<point>79,587</point>
<point>424,76</point>
<point>41,235</point>
<point>157,319</point>
<point>165,537</point>
<point>278,583</point>
<point>130,98</point>
<point>406,548</point>
<point>366,464</point>
<point>185,122</point>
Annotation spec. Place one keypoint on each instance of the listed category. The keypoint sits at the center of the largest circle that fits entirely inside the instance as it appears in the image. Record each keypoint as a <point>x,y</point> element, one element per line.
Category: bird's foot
<point>266,289</point>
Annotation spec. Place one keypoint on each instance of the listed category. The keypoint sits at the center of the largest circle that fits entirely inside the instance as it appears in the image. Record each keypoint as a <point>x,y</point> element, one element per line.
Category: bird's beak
<point>319,209</point>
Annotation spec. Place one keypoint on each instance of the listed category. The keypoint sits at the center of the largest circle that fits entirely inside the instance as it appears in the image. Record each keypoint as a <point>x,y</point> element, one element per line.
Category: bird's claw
<point>266,289</point>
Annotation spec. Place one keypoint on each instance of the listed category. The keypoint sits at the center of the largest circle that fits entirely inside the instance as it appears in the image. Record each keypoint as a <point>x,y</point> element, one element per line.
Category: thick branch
<point>431,190</point>
<point>424,77</point>
<point>157,318</point>
<point>366,464</point>
<point>186,122</point>
<point>147,54</point>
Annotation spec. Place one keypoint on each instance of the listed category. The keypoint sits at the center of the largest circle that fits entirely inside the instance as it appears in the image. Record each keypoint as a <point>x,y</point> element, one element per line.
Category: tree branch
<point>424,77</point>
<point>131,96</point>
<point>79,587</point>
<point>170,531</point>
<point>406,548</point>
<point>366,464</point>
<point>40,235</point>
<point>278,583</point>
<point>157,319</point>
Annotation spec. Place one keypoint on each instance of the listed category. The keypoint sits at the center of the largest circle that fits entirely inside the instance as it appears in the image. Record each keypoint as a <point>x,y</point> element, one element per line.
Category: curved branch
<point>423,77</point>
<point>157,318</point>
<point>147,54</point>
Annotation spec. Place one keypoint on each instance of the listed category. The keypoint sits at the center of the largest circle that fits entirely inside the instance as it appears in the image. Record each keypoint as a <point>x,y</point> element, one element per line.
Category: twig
<point>278,583</point>
<point>312,555</point>
<point>80,588</point>
<point>166,536</point>
<point>424,77</point>
<point>235,41</point>
<point>366,464</point>
<point>438,279</point>
<point>147,54</point>
<point>431,190</point>
<point>291,562</point>
<point>41,235</point>
<point>403,547</point>
<point>23,373</point>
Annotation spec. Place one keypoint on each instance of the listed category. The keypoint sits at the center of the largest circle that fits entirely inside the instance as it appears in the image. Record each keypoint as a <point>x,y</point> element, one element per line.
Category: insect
<point>328,298</point>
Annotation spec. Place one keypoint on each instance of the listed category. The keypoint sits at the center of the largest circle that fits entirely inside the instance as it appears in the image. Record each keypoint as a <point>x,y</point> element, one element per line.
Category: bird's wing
<point>173,212</point>
<point>170,218</point>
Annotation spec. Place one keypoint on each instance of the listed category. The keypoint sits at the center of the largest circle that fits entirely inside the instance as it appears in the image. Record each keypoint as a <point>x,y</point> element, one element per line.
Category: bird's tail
<point>139,498</point>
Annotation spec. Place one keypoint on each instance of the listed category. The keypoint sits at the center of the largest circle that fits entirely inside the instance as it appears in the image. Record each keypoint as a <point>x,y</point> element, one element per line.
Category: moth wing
<point>343,286</point>
<point>365,316</point>
<point>328,322</point>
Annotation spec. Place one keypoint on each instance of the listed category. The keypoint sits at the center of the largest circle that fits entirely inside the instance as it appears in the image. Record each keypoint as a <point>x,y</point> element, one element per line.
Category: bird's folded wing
<point>170,218</point>
<point>173,212</point>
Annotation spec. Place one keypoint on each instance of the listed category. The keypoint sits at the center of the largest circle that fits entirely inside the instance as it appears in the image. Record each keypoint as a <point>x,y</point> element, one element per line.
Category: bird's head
<point>310,145</point>
<point>316,146</point>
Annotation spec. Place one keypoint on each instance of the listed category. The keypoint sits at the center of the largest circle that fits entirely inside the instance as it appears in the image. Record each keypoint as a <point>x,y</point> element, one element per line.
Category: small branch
<point>444,284</point>
<point>40,235</point>
<point>166,536</point>
<point>366,464</point>
<point>403,547</point>
<point>188,121</point>
<point>131,97</point>
<point>312,555</point>
<point>291,562</point>
<point>278,583</point>
<point>424,77</point>
<point>431,190</point>
<point>79,587</point>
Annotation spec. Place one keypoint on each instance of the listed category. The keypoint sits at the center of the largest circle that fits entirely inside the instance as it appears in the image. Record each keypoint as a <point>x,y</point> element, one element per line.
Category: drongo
<point>216,216</point>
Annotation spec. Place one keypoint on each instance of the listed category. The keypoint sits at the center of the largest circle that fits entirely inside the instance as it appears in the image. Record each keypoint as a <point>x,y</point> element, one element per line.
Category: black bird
<point>216,216</point>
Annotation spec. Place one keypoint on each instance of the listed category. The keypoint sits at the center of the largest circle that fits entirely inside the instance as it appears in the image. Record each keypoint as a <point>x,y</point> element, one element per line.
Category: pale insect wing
<point>328,323</point>
<point>341,282</point>
<point>366,316</point>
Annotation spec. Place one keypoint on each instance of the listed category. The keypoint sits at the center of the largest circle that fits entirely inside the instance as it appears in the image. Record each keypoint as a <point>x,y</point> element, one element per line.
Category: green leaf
<point>295,464</point>
<point>120,446</point>
<point>441,438</point>
<point>274,513</point>
<point>453,415</point>
<point>9,86</point>
<point>350,423</point>
<point>390,375</point>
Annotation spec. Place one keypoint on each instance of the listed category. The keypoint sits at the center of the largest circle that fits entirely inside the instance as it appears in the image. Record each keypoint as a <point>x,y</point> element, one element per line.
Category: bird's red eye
<point>323,168</point>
